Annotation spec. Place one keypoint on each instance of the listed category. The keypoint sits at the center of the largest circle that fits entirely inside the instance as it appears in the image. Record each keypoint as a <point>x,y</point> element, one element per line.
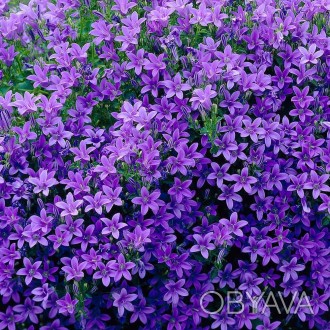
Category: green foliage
<point>128,172</point>
<point>326,221</point>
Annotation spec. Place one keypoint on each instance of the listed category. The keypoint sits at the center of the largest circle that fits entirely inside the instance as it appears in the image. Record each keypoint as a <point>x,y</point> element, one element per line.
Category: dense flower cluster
<point>152,151</point>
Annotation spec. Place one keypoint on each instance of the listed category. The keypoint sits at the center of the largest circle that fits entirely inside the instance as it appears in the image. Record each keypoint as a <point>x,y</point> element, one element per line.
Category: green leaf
<point>25,86</point>
<point>326,221</point>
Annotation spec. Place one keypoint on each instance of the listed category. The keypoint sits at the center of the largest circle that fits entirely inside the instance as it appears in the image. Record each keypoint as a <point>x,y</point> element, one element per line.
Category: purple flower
<point>326,203</point>
<point>133,22</point>
<point>30,271</point>
<point>243,180</point>
<point>253,248</point>
<point>55,325</point>
<point>147,201</point>
<point>201,16</point>
<point>219,174</point>
<point>141,311</point>
<point>40,77</point>
<point>77,182</point>
<point>274,178</point>
<point>75,270</point>
<point>176,321</point>
<point>82,153</point>
<point>25,104</point>
<point>310,55</point>
<point>290,269</point>
<point>202,97</point>
<point>175,87</point>
<point>58,135</point>
<point>123,301</point>
<point>127,38</point>
<point>268,326</point>
<point>154,64</point>
<point>301,99</point>
<point>230,101</point>
<point>250,285</point>
<point>96,202</point>
<point>150,84</point>
<point>270,278</point>
<point>233,225</point>
<point>282,77</point>
<point>120,269</point>
<point>138,238</point>
<point>112,197</point>
<point>317,183</point>
<point>9,319</point>
<point>123,6</point>
<point>102,32</point>
<point>79,53</point>
<point>25,133</point>
<point>203,244</point>
<point>28,310</point>
<point>269,253</point>
<point>43,222</point>
<point>67,304</point>
<point>180,190</point>
<point>129,113</point>
<point>175,290</point>
<point>251,129</point>
<point>269,133</point>
<point>299,184</point>
<point>104,272</point>
<point>9,255</point>
<point>180,162</point>
<point>225,277</point>
<point>43,181</point>
<point>113,226</point>
<point>70,206</point>
<point>228,194</point>
<point>222,320</point>
<point>227,57</point>
<point>92,259</point>
<point>85,237</point>
<point>137,61</point>
<point>161,15</point>
<point>291,286</point>
<point>41,294</point>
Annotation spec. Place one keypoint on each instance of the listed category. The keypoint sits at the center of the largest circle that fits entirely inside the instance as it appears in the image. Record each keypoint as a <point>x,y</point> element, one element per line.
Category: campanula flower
<point>147,201</point>
<point>123,301</point>
<point>30,271</point>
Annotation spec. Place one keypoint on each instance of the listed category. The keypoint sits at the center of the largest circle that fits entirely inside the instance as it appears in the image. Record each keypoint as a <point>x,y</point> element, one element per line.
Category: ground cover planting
<point>164,164</point>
